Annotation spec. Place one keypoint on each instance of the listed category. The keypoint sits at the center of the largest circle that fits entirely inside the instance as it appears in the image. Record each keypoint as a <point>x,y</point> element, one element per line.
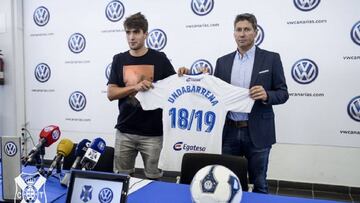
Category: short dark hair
<point>136,21</point>
<point>246,16</point>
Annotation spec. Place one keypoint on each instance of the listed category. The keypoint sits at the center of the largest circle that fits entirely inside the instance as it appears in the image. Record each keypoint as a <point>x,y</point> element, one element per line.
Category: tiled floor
<point>295,189</point>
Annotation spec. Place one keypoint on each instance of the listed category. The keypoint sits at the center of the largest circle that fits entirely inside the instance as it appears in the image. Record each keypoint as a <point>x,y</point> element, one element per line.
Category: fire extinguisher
<point>2,80</point>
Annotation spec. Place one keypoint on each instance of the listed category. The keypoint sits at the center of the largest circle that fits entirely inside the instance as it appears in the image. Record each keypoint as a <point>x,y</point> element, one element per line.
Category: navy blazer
<point>268,72</point>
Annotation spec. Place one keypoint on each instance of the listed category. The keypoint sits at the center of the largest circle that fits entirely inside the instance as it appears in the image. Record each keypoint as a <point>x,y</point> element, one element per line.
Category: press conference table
<point>163,192</point>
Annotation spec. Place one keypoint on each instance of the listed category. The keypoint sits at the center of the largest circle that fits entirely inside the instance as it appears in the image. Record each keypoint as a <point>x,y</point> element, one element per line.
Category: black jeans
<point>236,141</point>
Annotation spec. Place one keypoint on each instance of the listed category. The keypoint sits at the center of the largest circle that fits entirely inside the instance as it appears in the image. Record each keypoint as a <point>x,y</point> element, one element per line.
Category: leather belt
<point>236,124</point>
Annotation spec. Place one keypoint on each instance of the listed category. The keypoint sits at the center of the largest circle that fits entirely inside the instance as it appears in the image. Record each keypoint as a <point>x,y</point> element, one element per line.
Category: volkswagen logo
<point>353,108</point>
<point>10,148</point>
<point>355,33</point>
<point>202,7</point>
<point>199,64</point>
<point>41,16</point>
<point>304,71</point>
<point>156,40</point>
<point>306,5</point>
<point>107,71</point>
<point>42,72</point>
<point>115,11</point>
<point>77,101</point>
<point>106,195</point>
<point>260,36</point>
<point>77,43</point>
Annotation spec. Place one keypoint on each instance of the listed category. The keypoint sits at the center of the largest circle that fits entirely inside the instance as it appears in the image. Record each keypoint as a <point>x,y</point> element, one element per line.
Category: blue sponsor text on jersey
<point>193,89</point>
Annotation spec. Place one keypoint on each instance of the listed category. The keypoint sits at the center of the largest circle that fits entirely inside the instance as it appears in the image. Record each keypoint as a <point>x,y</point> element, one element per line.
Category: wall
<point>12,102</point>
<point>292,162</point>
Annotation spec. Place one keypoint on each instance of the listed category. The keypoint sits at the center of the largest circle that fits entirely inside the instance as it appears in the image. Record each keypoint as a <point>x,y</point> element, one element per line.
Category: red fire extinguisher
<point>2,80</point>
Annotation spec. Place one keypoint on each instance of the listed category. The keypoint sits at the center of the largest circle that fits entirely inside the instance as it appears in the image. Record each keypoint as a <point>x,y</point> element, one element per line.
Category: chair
<point>105,163</point>
<point>193,162</point>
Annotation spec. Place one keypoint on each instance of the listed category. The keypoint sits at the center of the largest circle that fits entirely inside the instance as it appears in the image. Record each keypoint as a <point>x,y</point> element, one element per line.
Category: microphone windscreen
<point>82,147</point>
<point>98,144</point>
<point>65,147</point>
<point>51,134</point>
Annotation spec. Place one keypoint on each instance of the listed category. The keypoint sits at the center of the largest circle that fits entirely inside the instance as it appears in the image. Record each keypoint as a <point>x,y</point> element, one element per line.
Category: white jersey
<point>194,112</point>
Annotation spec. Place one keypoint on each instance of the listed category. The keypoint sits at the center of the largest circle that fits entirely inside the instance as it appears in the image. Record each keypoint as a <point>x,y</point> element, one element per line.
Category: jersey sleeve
<point>155,97</point>
<point>236,99</point>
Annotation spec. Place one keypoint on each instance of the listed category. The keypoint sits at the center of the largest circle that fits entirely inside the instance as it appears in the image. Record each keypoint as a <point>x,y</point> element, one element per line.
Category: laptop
<point>94,186</point>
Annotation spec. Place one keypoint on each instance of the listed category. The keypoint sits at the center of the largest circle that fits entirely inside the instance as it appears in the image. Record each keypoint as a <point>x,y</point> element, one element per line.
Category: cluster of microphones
<point>87,153</point>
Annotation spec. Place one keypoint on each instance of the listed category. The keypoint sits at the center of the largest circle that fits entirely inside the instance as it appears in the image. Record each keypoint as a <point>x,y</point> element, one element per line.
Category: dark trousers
<point>236,141</point>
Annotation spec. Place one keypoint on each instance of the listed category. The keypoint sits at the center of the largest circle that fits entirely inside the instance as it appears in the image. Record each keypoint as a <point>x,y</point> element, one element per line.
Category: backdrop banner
<point>68,58</point>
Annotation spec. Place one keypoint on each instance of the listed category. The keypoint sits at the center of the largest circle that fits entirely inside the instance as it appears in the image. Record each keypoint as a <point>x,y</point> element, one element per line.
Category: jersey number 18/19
<point>182,119</point>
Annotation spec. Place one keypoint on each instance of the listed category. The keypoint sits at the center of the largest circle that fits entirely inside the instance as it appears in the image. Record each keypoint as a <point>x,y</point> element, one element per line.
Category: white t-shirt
<point>194,112</point>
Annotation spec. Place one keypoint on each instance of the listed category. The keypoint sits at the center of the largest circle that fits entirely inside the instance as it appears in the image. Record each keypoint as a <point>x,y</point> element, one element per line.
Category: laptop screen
<point>91,186</point>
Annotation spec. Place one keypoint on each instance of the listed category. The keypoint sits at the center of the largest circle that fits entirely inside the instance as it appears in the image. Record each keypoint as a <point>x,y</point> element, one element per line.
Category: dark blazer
<point>268,72</point>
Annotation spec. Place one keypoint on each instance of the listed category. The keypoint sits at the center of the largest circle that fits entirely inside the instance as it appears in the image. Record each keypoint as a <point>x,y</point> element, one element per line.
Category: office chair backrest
<point>193,162</point>
<point>105,163</point>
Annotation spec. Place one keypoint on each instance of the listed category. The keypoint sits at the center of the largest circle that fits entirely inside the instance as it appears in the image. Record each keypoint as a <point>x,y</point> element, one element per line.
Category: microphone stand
<point>40,161</point>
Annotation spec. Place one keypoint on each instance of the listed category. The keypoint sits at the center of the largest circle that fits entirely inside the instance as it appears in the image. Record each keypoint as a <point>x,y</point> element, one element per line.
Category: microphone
<point>80,151</point>
<point>92,154</point>
<point>48,135</point>
<point>64,148</point>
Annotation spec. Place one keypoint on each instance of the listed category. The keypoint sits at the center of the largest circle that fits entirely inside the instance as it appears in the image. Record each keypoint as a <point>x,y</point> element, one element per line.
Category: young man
<point>252,135</point>
<point>133,71</point>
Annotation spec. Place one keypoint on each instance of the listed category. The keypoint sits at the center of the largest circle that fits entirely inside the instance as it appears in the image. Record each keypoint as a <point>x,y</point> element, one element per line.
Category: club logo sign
<point>115,11</point>
<point>42,72</point>
<point>199,64</point>
<point>77,101</point>
<point>156,40</point>
<point>10,149</point>
<point>304,71</point>
<point>202,7</point>
<point>353,108</point>
<point>106,195</point>
<point>355,33</point>
<point>41,16</point>
<point>260,36</point>
<point>306,5</point>
<point>77,43</point>
<point>55,134</point>
<point>209,183</point>
<point>32,188</point>
<point>107,71</point>
<point>86,193</point>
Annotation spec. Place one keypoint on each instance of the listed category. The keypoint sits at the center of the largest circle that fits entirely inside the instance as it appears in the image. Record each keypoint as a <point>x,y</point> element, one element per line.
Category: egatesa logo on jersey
<point>188,147</point>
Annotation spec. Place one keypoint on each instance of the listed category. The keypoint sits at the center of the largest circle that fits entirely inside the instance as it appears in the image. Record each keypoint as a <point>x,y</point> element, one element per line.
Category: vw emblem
<point>77,43</point>
<point>304,71</point>
<point>202,7</point>
<point>10,149</point>
<point>353,108</point>
<point>355,33</point>
<point>42,72</point>
<point>41,16</point>
<point>156,40</point>
<point>260,36</point>
<point>114,11</point>
<point>201,63</point>
<point>106,195</point>
<point>77,101</point>
<point>306,5</point>
<point>107,71</point>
